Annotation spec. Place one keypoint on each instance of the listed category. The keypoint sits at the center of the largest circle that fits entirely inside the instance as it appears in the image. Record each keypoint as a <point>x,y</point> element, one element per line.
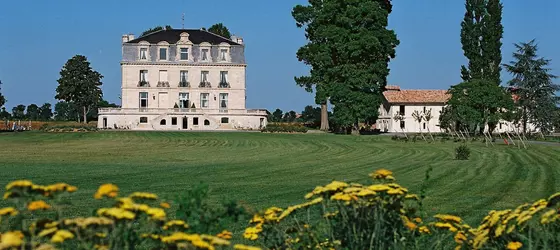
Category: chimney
<point>239,40</point>
<point>127,38</point>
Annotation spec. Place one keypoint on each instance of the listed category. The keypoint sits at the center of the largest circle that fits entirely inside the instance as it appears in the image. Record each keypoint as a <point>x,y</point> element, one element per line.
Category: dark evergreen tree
<point>32,112</point>
<point>532,82</point>
<point>45,112</point>
<point>220,29</point>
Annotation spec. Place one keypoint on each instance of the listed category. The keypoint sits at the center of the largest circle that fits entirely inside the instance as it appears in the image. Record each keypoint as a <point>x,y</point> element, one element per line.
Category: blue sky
<point>38,37</point>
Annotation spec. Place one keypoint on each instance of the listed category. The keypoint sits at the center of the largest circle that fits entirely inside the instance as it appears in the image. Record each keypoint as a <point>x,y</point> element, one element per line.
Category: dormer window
<point>143,53</point>
<point>205,54</point>
<point>223,54</point>
<point>163,54</point>
<point>184,54</point>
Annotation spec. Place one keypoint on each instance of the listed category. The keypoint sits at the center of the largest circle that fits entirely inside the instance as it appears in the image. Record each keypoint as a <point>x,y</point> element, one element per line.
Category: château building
<point>183,79</point>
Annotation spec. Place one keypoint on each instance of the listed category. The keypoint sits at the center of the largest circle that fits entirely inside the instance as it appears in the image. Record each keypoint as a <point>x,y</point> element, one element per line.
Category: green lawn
<point>278,169</point>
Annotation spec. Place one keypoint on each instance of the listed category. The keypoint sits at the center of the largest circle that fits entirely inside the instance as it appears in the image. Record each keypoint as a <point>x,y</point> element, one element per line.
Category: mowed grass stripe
<point>278,169</point>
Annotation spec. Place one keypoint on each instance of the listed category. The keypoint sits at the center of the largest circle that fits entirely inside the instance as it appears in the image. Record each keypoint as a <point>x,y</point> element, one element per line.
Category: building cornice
<point>186,64</point>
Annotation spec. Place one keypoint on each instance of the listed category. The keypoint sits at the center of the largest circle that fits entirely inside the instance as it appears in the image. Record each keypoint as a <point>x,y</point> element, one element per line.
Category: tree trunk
<point>324,117</point>
<point>356,128</point>
<point>85,115</point>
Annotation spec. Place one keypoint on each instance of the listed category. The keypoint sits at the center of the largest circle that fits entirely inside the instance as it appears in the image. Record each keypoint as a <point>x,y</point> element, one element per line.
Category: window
<point>204,100</point>
<point>195,121</point>
<point>424,110</point>
<point>184,54</point>
<point>143,119</point>
<point>500,125</point>
<point>402,124</point>
<point>143,99</point>
<point>163,75</point>
<point>173,120</point>
<point>223,100</point>
<point>204,76</point>
<point>143,53</point>
<point>184,100</point>
<point>183,78</point>
<point>163,54</point>
<point>225,120</point>
<point>401,110</point>
<point>424,125</point>
<point>224,79</point>
<point>223,54</point>
<point>143,78</point>
<point>206,123</point>
<point>163,122</point>
<point>204,54</point>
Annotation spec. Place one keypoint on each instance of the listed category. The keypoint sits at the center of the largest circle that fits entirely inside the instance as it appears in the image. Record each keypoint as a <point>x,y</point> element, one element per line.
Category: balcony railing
<point>184,85</point>
<point>180,110</point>
<point>224,85</point>
<point>163,84</point>
<point>205,85</point>
<point>143,84</point>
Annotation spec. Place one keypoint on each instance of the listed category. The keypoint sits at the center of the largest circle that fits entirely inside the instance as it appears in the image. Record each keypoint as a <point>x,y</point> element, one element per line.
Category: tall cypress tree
<point>493,31</point>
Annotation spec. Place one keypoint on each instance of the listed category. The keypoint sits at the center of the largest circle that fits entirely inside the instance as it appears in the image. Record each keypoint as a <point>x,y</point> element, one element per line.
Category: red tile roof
<point>396,95</point>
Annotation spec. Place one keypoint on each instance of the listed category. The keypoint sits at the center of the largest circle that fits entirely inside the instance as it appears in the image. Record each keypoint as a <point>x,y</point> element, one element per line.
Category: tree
<point>5,115</point>
<point>351,69</point>
<point>154,29</point>
<point>533,87</point>
<point>45,112</point>
<point>94,112</point>
<point>32,112</point>
<point>220,29</point>
<point>18,112</point>
<point>476,104</point>
<point>419,117</point>
<point>2,100</point>
<point>65,111</point>
<point>79,84</point>
<point>481,35</point>
<point>277,115</point>
<point>311,115</point>
<point>289,116</point>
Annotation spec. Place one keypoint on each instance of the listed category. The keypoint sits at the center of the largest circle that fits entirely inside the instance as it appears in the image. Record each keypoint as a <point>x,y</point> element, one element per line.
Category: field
<point>278,169</point>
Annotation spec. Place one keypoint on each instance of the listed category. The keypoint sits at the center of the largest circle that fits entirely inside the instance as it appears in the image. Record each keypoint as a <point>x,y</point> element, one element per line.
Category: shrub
<point>285,128</point>
<point>462,152</point>
<point>68,127</point>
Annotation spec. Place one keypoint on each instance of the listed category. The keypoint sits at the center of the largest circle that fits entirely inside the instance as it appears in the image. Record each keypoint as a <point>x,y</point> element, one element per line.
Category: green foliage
<point>346,66</point>
<point>66,111</point>
<point>274,127</point>
<point>18,112</point>
<point>481,34</point>
<point>220,29</point>
<point>79,84</point>
<point>532,82</point>
<point>2,100</point>
<point>474,104</point>
<point>93,114</point>
<point>194,207</point>
<point>462,152</point>
<point>277,115</point>
<point>289,116</point>
<point>154,29</point>
<point>32,112</point>
<point>69,127</point>
<point>311,116</point>
<point>5,115</point>
<point>45,112</point>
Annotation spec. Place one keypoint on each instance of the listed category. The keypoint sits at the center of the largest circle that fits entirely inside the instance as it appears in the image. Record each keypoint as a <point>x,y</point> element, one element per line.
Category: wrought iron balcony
<point>184,84</point>
<point>205,85</point>
<point>224,85</point>
<point>143,84</point>
<point>162,84</point>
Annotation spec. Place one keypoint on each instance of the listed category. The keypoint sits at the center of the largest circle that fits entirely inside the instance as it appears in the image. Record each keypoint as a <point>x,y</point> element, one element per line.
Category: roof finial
<point>183,20</point>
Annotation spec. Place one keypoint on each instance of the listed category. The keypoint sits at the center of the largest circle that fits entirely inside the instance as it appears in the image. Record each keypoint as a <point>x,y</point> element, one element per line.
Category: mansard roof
<point>196,36</point>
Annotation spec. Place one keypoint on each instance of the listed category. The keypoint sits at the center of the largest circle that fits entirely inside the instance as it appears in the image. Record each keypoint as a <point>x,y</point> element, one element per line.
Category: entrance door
<point>185,123</point>
<point>104,122</point>
<point>162,100</point>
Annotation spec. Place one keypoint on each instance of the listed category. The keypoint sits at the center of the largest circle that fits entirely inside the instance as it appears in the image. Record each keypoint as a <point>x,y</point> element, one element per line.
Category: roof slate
<point>173,35</point>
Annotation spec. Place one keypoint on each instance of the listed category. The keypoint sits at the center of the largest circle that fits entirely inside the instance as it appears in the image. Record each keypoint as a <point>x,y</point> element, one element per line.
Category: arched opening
<point>163,122</point>
<point>206,123</point>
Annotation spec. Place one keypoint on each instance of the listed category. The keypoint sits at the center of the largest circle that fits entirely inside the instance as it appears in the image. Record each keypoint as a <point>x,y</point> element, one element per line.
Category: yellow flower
<point>379,187</point>
<point>412,197</point>
<point>271,214</point>
<point>8,211</point>
<point>328,215</point>
<point>335,185</point>
<point>549,216</point>
<point>11,239</point>
<point>38,205</point>
<point>225,235</point>
<point>554,199</point>
<point>164,205</point>
<point>61,235</point>
<point>101,247</point>
<point>19,183</point>
<point>101,235</point>
<point>460,237</point>
<point>446,225</point>
<point>47,232</point>
<point>175,223</point>
<point>214,240</point>
<point>257,219</point>
<point>116,213</point>
<point>514,245</point>
<point>349,190</point>
<point>396,191</point>
<point>448,218</point>
<point>156,213</point>
<point>86,222</point>
<point>60,187</point>
<point>365,192</point>
<point>342,197</point>
<point>45,247</point>
<point>382,174</point>
<point>8,195</point>
<point>108,190</point>
<point>143,195</point>
<point>252,233</point>
<point>424,229</point>
<point>244,247</point>
<point>410,225</point>
<point>418,220</point>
